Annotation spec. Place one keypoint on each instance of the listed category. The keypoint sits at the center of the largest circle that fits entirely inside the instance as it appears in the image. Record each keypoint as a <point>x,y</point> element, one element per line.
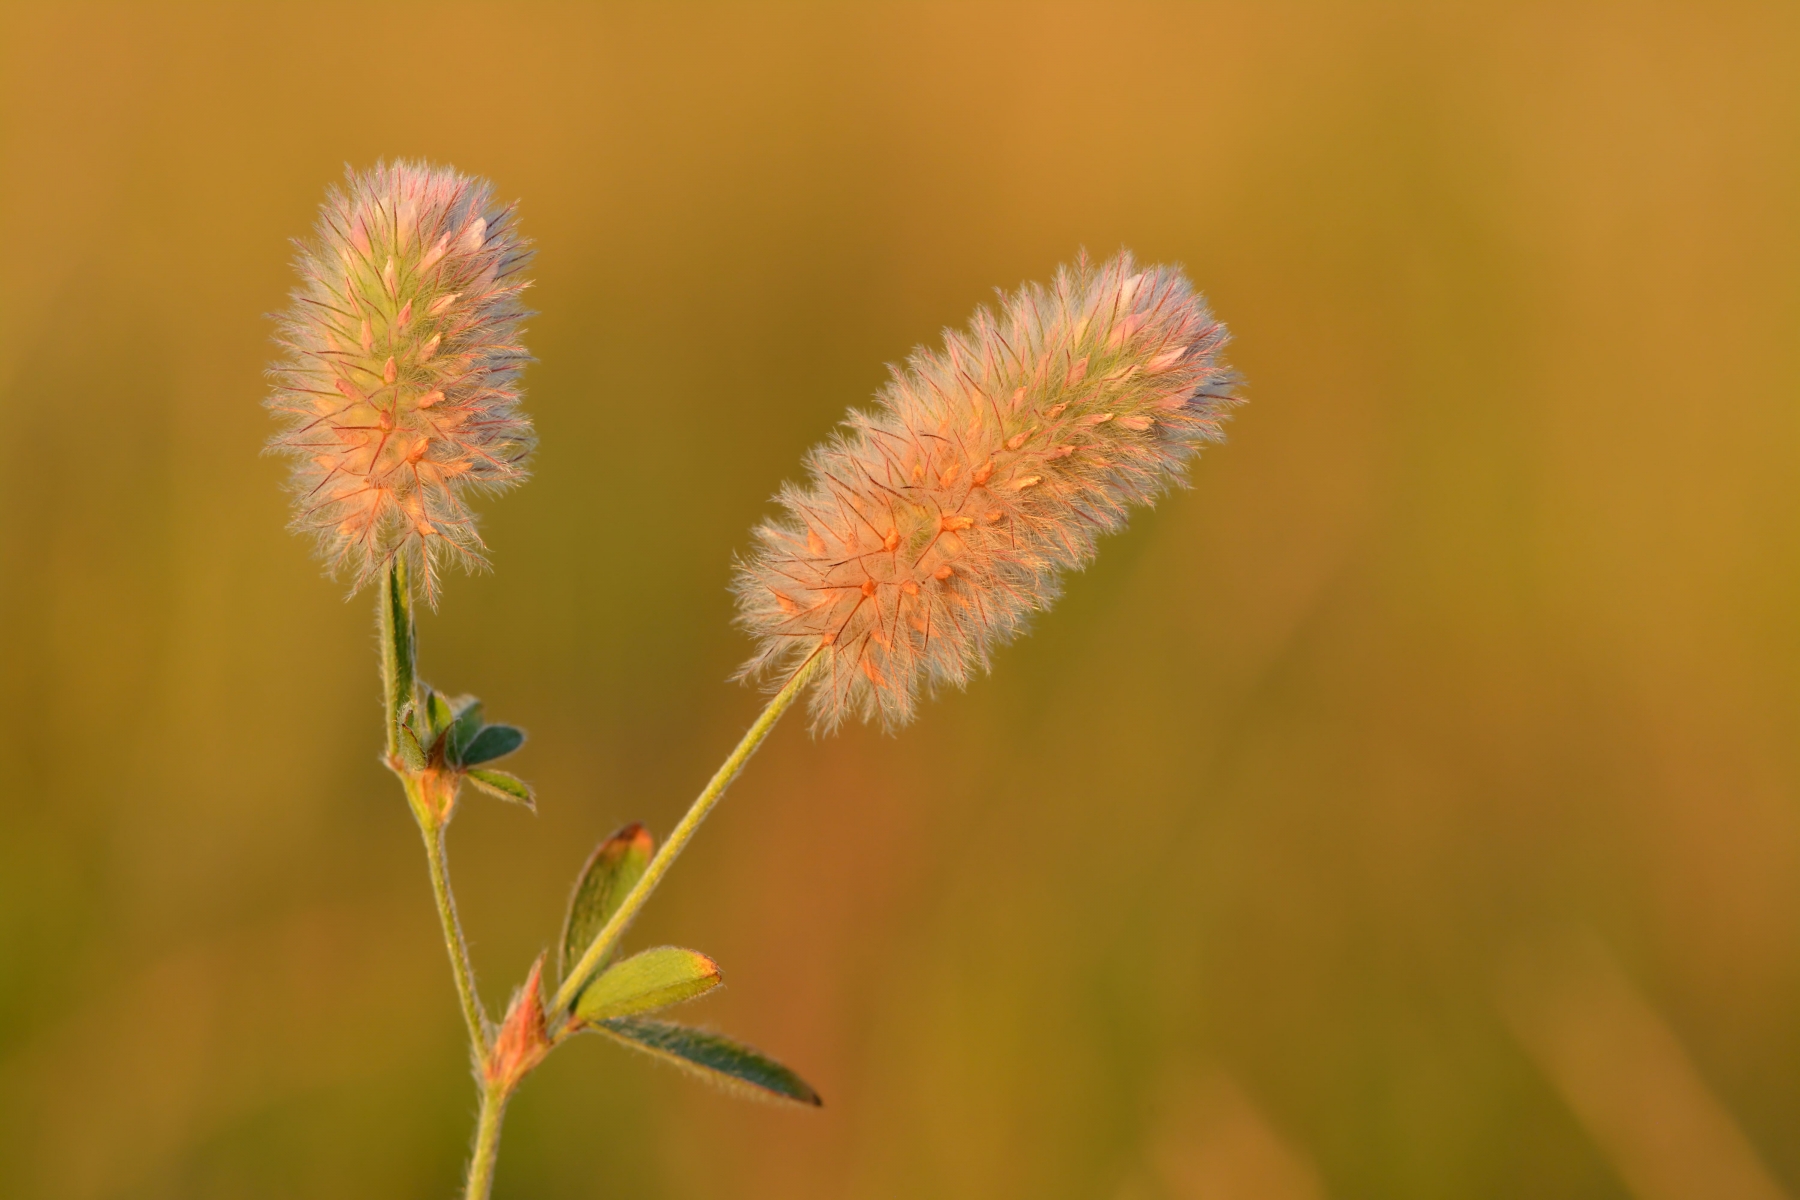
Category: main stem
<point>399,692</point>
<point>683,833</point>
<point>487,1144</point>
<point>454,942</point>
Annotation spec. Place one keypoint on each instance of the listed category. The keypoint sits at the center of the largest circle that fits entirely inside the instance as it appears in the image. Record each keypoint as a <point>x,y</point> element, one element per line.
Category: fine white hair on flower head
<point>399,390</point>
<point>930,529</point>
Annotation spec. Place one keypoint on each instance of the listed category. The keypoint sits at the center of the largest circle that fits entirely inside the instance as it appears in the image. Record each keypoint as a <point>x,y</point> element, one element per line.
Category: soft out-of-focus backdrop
<point>1410,809</point>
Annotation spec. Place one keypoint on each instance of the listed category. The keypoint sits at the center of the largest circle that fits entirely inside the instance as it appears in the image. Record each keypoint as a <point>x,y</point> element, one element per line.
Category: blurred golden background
<point>1407,810</point>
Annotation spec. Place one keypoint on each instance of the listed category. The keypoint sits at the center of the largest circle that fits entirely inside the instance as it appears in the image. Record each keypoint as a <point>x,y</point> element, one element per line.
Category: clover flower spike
<point>930,529</point>
<point>399,390</point>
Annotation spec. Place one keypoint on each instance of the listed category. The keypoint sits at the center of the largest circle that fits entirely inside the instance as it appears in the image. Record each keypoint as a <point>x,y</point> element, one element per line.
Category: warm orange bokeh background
<point>1408,810</point>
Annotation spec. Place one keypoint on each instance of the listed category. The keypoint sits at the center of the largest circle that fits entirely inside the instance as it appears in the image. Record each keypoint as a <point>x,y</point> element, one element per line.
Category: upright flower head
<point>399,392</point>
<point>931,528</point>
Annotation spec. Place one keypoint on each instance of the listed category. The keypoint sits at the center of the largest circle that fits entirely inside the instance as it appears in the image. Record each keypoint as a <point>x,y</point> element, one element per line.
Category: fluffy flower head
<point>399,390</point>
<point>931,528</point>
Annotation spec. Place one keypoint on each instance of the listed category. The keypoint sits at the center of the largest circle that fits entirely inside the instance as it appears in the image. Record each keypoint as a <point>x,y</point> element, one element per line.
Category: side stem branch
<point>665,858</point>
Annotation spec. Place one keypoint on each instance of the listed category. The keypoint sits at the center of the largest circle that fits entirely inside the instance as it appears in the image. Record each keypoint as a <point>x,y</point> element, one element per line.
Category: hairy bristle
<point>931,528</point>
<point>399,390</point>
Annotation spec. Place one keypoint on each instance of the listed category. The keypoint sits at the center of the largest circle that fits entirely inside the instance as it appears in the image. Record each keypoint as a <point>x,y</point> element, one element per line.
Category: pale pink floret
<point>931,528</point>
<point>400,391</point>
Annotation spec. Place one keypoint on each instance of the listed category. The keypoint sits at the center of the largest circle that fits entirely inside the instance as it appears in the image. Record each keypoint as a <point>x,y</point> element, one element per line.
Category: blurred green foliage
<point>1478,640</point>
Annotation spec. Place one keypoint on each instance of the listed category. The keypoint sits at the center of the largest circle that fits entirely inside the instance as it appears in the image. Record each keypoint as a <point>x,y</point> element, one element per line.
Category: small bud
<point>891,541</point>
<point>1027,481</point>
<point>521,1042</point>
<point>437,307</point>
<point>1096,418</point>
<point>1139,423</point>
<point>1017,440</point>
<point>401,321</point>
<point>367,340</point>
<point>1166,359</point>
<point>942,573</point>
<point>983,473</point>
<point>430,347</point>
<point>432,255</point>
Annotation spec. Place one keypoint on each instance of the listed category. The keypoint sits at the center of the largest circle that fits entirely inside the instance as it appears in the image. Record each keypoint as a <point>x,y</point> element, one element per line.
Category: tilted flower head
<point>399,391</point>
<point>931,528</point>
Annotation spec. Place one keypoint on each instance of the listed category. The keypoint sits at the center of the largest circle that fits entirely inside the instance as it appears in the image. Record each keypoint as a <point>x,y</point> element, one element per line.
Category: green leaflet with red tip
<point>718,1060</point>
<point>646,982</point>
<point>611,872</point>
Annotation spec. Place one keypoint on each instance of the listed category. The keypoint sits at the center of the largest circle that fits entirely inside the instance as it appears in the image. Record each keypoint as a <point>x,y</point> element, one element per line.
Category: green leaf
<point>611,872</point>
<point>468,724</point>
<point>494,741</point>
<point>411,754</point>
<point>718,1060</point>
<point>504,786</point>
<point>437,712</point>
<point>648,981</point>
<point>398,657</point>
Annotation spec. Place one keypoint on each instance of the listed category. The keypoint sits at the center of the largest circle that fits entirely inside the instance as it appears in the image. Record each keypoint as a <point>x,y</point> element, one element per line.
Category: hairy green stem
<point>399,650</point>
<point>454,942</point>
<point>487,1143</point>
<point>665,858</point>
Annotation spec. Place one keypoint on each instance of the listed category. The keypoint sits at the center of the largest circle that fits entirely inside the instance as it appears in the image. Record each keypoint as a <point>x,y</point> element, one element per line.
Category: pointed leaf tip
<point>412,755</point>
<point>717,1060</point>
<point>492,742</point>
<point>505,786</point>
<point>611,872</point>
<point>437,712</point>
<point>646,982</point>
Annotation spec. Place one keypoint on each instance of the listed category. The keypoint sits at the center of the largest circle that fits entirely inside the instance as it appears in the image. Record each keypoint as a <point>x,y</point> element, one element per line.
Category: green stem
<point>487,1144</point>
<point>454,942</point>
<point>683,833</point>
<point>399,649</point>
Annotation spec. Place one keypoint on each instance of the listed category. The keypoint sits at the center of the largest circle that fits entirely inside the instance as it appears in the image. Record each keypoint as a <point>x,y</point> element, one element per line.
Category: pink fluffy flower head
<point>930,529</point>
<point>399,392</point>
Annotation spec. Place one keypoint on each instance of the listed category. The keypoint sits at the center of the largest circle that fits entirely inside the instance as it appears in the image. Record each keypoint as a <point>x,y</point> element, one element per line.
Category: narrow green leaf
<point>718,1060</point>
<point>648,981</point>
<point>437,712</point>
<point>611,872</point>
<point>494,741</point>
<point>504,786</point>
<point>411,753</point>
<point>398,657</point>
